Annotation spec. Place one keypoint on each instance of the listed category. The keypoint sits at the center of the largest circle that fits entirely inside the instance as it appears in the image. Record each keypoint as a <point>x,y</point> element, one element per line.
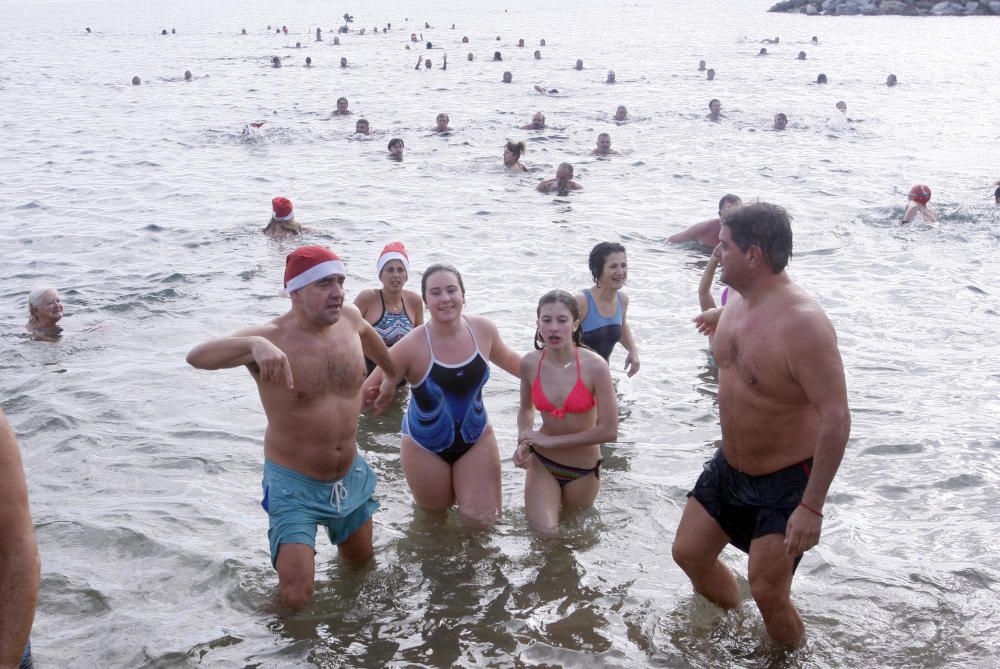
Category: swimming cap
<point>311,263</point>
<point>920,193</point>
<point>392,251</point>
<point>281,206</point>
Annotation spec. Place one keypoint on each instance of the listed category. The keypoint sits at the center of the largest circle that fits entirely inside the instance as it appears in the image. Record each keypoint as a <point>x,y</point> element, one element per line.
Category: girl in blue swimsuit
<point>609,268</point>
<point>571,388</point>
<point>448,451</point>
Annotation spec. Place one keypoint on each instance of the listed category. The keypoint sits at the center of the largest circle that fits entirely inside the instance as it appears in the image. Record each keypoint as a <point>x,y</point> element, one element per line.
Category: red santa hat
<point>311,263</point>
<point>282,208</point>
<point>392,251</point>
<point>920,193</point>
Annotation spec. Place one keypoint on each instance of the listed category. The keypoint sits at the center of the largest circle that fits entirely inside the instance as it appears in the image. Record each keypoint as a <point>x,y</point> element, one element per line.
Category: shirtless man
<point>621,114</point>
<point>706,233</point>
<point>19,564</point>
<point>714,110</point>
<point>362,127</point>
<point>342,109</point>
<point>309,366</point>
<point>785,423</point>
<point>603,145</point>
<point>562,183</point>
<point>537,122</point>
<point>441,123</point>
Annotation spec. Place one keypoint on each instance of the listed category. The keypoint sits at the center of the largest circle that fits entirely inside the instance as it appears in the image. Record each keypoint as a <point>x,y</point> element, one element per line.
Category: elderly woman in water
<point>44,313</point>
<point>571,387</point>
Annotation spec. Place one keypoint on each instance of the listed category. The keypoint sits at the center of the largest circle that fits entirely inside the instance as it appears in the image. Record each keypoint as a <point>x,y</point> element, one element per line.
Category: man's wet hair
<point>729,198</point>
<point>764,225</point>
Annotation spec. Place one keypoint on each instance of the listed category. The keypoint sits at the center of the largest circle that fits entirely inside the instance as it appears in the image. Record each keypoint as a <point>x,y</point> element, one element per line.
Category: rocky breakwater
<point>879,7</point>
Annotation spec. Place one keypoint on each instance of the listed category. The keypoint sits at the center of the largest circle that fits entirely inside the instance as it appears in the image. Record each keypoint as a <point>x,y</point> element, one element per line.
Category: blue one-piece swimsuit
<point>601,333</point>
<point>446,415</point>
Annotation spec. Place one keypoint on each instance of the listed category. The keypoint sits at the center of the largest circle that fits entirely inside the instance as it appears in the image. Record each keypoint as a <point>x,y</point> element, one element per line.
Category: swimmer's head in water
<point>701,65</point>
<point>497,56</point>
<point>560,297</point>
<point>44,304</point>
<point>996,195</point>
<point>538,54</point>
<point>396,146</point>
<point>710,75</point>
<point>465,40</point>
<point>599,258</point>
<point>187,75</point>
<point>815,40</point>
<point>512,152</point>
<point>802,55</point>
<point>427,63</point>
<point>430,45</point>
<point>442,121</point>
<point>362,127</point>
<point>729,201</point>
<point>471,56</point>
<point>611,77</point>
<point>603,143</point>
<point>714,106</point>
<point>766,226</point>
<point>437,268</point>
<point>341,105</point>
<point>275,61</point>
<point>891,80</point>
<point>920,193</point>
<point>520,42</point>
<point>564,171</point>
<point>541,42</point>
<point>309,61</point>
<point>821,79</point>
<point>508,77</point>
<point>780,121</point>
<point>579,64</point>
<point>842,106</point>
<point>343,62</point>
<point>298,45</point>
<point>621,113</point>
<point>136,81</point>
<point>762,52</point>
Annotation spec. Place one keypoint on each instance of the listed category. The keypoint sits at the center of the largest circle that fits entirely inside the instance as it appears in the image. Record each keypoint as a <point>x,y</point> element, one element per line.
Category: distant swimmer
<point>919,196</point>
<point>309,367</point>
<point>891,80</point>
<point>275,62</point>
<point>319,34</point>
<point>821,79</point>
<point>579,64</point>
<point>163,32</point>
<point>785,424</point>
<point>780,121</point>
<point>611,77</point>
<point>342,107</point>
<point>608,266</point>
<point>545,90</point>
<point>512,152</point>
<point>361,127</point>
<point>839,121</point>
<point>471,56</point>
<point>537,122</point>
<point>343,62</point>
<point>714,110</point>
<point>45,310</point>
<point>253,130</point>
<point>603,145</point>
<point>427,64</point>
<point>621,114</point>
<point>465,40</point>
<point>706,233</point>
<point>702,65</point>
<point>562,183</point>
<point>770,41</point>
<point>801,56</point>
<point>284,29</point>
<point>136,81</point>
<point>187,75</point>
<point>538,54</point>
<point>497,56</point>
<point>282,223</point>
<point>396,148</point>
<point>563,458</point>
<point>815,40</point>
<point>762,52</point>
<point>520,42</point>
<point>441,123</point>
<point>298,45</point>
<point>444,62</point>
<point>541,42</point>
<point>309,61</point>
<point>996,195</point>
<point>430,45</point>
<point>710,75</point>
<point>244,30</point>
<point>508,77</point>
<point>336,40</point>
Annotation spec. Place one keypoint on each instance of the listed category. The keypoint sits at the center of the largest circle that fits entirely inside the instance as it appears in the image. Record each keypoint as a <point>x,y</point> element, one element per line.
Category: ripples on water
<point>144,206</point>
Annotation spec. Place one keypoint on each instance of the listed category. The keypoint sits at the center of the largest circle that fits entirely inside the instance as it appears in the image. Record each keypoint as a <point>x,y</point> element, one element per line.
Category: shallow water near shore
<point>144,206</point>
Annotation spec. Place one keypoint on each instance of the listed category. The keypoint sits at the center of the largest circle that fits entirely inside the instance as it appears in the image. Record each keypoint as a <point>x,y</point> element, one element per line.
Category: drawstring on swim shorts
<point>338,493</point>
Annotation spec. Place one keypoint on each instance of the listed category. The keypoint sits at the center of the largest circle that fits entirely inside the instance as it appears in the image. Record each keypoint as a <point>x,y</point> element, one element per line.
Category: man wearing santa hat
<point>309,366</point>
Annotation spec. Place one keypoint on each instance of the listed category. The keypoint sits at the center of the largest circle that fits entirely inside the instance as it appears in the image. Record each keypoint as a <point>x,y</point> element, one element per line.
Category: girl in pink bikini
<point>570,386</point>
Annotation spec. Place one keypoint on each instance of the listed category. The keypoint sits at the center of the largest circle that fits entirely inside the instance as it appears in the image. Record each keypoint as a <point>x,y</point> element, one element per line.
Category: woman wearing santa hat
<point>391,310</point>
<point>919,196</point>
<point>282,223</point>
<point>448,450</point>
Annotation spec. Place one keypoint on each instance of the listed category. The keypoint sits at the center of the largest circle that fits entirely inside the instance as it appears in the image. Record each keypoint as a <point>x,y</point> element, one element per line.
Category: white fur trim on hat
<point>391,255</point>
<point>315,273</point>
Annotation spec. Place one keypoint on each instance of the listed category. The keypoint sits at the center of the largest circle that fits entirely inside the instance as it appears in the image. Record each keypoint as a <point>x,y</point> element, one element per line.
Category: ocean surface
<point>144,204</point>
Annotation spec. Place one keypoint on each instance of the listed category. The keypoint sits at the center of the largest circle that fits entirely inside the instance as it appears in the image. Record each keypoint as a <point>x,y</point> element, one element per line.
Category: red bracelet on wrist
<point>803,504</point>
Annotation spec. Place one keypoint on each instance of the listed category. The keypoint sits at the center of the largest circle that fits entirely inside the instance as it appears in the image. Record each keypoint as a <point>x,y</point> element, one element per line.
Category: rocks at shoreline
<point>881,7</point>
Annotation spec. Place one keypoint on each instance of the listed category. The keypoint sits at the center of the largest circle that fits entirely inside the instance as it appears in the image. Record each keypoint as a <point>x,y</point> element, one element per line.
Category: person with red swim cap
<point>309,366</point>
<point>919,196</point>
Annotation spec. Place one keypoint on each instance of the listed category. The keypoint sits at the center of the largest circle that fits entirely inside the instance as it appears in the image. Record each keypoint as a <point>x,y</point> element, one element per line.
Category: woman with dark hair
<point>609,267</point>
<point>448,450</point>
<point>512,156</point>
<point>571,387</point>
